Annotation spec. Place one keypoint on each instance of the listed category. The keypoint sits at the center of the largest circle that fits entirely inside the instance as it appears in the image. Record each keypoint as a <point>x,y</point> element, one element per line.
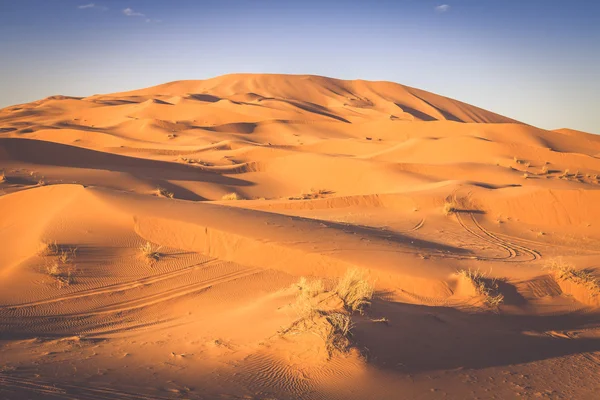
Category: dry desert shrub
<point>316,316</point>
<point>450,207</point>
<point>48,248</point>
<point>2,177</point>
<point>61,266</point>
<point>312,195</point>
<point>484,286</point>
<point>545,170</point>
<point>355,290</point>
<point>162,192</point>
<point>566,272</point>
<point>232,196</point>
<point>62,273</point>
<point>149,252</point>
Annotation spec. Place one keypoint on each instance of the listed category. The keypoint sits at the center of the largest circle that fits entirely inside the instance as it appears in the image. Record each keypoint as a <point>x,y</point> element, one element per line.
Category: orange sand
<point>331,175</point>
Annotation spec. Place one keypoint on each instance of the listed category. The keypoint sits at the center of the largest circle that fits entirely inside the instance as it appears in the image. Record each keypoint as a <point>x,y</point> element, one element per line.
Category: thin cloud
<point>91,5</point>
<point>130,13</point>
<point>442,8</point>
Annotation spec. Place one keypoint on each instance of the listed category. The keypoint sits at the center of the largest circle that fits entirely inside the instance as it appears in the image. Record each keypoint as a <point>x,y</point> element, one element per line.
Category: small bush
<point>60,267</point>
<point>149,252</point>
<point>484,286</point>
<point>60,272</point>
<point>355,291</point>
<point>338,333</point>
<point>2,177</point>
<point>232,196</point>
<point>450,207</point>
<point>162,192</point>
<point>566,272</point>
<point>48,248</point>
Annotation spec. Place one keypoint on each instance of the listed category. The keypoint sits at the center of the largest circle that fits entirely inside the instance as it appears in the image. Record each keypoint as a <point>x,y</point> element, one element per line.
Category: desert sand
<point>479,234</point>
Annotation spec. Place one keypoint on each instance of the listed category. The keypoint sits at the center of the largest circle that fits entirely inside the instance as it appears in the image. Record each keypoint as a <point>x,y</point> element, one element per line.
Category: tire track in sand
<point>515,253</point>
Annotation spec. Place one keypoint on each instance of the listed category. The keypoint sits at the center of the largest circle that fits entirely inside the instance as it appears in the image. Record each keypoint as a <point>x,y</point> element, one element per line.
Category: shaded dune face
<point>201,233</point>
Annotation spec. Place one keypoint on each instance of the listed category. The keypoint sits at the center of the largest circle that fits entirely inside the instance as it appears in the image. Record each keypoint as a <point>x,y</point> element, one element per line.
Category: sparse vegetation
<point>162,192</point>
<point>483,285</point>
<point>60,272</point>
<point>48,248</point>
<point>566,272</point>
<point>41,182</point>
<point>450,206</point>
<point>150,252</point>
<point>355,291</point>
<point>313,194</point>
<point>232,196</point>
<point>525,175</point>
<point>60,267</point>
<point>545,170</point>
<point>2,177</point>
<point>317,316</point>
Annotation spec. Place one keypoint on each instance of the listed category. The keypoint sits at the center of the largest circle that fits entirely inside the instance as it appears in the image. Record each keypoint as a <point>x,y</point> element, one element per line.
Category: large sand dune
<point>243,184</point>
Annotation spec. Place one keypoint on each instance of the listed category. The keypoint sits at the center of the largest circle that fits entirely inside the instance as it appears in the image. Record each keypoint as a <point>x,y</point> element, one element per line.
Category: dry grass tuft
<point>484,286</point>
<point>545,170</point>
<point>307,301</point>
<point>232,196</point>
<point>566,272</point>
<point>316,316</point>
<point>62,273</point>
<point>2,177</point>
<point>451,206</point>
<point>49,248</point>
<point>149,252</point>
<point>41,182</point>
<point>60,267</point>
<point>355,290</point>
<point>338,333</point>
<point>162,192</point>
<point>312,195</point>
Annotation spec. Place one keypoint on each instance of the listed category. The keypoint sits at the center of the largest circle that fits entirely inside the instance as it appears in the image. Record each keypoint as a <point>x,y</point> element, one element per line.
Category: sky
<point>537,61</point>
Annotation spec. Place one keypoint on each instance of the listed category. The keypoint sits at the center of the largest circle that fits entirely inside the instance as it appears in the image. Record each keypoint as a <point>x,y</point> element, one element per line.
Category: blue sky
<point>534,60</point>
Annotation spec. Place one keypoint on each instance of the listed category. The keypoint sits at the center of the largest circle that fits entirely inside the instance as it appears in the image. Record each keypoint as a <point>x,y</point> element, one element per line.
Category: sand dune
<point>478,233</point>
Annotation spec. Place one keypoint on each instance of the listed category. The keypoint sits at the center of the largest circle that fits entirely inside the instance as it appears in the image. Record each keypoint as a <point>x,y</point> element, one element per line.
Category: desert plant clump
<point>149,252</point>
<point>338,332</point>
<point>566,272</point>
<point>307,300</point>
<point>355,291</point>
<point>61,265</point>
<point>450,207</point>
<point>232,196</point>
<point>312,194</point>
<point>545,170</point>
<point>41,182</point>
<point>332,323</point>
<point>48,248</point>
<point>63,274</point>
<point>484,286</point>
<point>162,192</point>
<point>2,177</point>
